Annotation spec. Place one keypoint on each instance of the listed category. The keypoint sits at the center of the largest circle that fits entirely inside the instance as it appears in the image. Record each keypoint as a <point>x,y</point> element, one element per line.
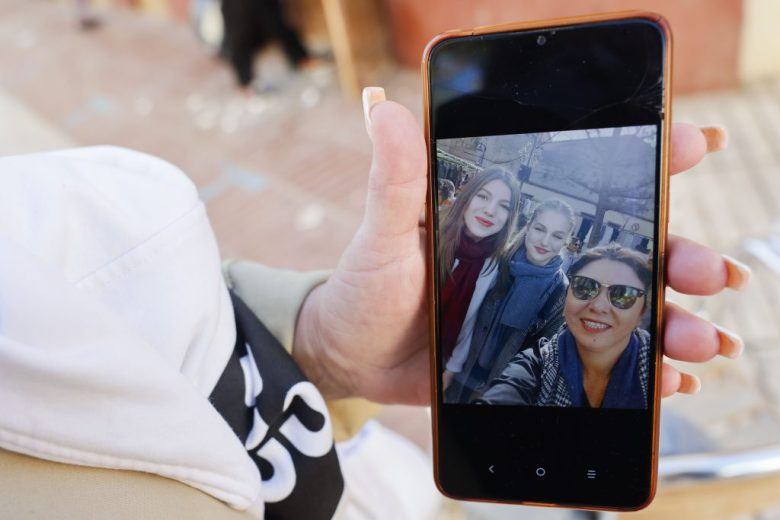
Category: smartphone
<point>548,151</point>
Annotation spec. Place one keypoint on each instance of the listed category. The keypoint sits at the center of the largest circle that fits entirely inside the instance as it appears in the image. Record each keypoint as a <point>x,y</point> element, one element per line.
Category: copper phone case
<point>663,202</point>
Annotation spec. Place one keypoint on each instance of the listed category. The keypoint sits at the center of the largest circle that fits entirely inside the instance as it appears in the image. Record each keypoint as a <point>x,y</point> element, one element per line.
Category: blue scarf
<point>531,286</point>
<point>624,389</point>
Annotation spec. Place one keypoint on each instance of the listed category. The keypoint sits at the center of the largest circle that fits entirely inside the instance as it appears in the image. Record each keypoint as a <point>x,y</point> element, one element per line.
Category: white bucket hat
<point>115,323</point>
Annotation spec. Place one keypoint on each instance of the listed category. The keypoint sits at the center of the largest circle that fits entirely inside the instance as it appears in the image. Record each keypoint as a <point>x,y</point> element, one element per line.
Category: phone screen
<point>546,151</point>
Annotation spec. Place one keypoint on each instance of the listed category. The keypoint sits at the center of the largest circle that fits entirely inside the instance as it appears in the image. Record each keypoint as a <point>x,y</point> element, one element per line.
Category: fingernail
<point>731,345</point>
<point>716,136</point>
<point>737,274</point>
<point>689,384</point>
<point>371,96</point>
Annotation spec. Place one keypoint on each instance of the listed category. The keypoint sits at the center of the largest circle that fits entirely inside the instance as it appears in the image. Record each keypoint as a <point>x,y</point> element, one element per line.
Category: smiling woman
<point>526,300</point>
<point>473,234</point>
<point>488,210</point>
<point>600,356</point>
<point>546,235</point>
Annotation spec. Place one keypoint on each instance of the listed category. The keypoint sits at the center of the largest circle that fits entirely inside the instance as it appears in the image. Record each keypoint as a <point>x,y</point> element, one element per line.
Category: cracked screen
<point>545,155</point>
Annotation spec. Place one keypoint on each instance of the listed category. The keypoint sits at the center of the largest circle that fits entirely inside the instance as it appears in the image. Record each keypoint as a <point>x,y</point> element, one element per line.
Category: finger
<point>690,143</point>
<point>687,148</point>
<point>397,181</point>
<point>688,337</point>
<point>717,138</point>
<point>692,268</point>
<point>670,380</point>
<point>689,384</point>
<point>673,381</point>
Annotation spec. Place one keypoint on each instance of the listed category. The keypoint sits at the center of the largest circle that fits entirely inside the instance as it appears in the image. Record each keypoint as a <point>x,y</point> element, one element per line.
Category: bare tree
<point>613,167</point>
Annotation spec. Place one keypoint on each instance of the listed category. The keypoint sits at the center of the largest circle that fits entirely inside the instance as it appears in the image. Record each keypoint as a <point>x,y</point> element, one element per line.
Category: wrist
<point>313,350</point>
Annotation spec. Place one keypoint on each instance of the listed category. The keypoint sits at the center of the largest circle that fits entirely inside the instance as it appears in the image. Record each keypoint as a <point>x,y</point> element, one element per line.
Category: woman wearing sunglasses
<point>599,358</point>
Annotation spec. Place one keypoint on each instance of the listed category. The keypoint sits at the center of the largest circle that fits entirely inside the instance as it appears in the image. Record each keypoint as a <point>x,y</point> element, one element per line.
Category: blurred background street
<point>283,168</point>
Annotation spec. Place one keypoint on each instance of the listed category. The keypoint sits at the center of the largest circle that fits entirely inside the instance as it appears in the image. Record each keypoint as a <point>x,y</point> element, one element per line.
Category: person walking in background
<point>446,193</point>
<point>86,16</point>
<point>249,26</point>
<point>570,254</point>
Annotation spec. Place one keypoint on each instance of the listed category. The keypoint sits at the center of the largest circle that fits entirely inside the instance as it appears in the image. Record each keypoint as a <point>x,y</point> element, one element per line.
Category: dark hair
<point>517,241</point>
<point>453,224</point>
<point>446,189</point>
<point>636,261</point>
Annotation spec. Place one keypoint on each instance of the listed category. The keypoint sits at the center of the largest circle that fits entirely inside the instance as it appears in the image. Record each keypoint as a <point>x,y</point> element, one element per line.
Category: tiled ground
<point>734,196</point>
<point>284,174</point>
<point>298,152</point>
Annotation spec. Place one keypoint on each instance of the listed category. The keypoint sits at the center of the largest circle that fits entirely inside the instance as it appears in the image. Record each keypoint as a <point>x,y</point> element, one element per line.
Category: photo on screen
<point>545,244</point>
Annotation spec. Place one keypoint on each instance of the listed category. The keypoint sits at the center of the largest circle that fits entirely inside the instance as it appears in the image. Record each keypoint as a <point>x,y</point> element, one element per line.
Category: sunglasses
<point>620,296</point>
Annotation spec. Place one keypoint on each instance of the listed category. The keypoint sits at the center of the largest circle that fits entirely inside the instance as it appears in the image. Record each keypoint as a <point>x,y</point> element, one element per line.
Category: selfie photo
<point>545,248</point>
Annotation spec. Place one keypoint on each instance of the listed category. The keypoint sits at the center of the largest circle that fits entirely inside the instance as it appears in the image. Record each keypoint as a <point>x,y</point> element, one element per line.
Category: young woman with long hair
<point>473,233</point>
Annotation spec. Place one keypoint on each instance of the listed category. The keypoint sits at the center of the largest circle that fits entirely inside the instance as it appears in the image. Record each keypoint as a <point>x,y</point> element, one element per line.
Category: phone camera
<point>541,39</point>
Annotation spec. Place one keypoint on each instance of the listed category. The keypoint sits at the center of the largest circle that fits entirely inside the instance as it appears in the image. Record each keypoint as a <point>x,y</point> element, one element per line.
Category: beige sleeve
<point>34,488</point>
<point>276,297</point>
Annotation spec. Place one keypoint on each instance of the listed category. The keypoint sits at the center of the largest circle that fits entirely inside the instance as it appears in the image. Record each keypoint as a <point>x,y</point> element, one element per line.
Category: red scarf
<point>459,287</point>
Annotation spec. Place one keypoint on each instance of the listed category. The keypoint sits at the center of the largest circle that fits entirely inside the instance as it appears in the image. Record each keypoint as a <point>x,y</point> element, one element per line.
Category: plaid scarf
<point>559,390</point>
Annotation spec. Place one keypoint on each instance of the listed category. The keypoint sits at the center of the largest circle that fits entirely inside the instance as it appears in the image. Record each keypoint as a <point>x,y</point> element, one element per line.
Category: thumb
<point>397,181</point>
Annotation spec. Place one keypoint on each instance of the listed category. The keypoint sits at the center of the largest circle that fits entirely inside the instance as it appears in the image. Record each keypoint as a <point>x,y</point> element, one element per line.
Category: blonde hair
<point>516,242</point>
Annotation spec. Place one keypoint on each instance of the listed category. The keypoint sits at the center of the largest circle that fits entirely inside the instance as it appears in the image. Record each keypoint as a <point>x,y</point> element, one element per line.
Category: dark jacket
<point>535,376</point>
<point>472,380</point>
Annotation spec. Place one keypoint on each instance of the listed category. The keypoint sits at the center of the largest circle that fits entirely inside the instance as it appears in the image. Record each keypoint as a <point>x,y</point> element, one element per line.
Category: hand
<point>365,331</point>
<point>694,269</point>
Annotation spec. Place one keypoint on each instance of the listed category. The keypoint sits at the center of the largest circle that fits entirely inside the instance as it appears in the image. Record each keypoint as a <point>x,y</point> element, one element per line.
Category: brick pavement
<point>298,153</point>
<point>284,175</point>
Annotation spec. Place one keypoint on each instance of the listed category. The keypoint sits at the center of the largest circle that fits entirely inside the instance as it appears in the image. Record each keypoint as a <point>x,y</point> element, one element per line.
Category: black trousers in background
<point>252,24</point>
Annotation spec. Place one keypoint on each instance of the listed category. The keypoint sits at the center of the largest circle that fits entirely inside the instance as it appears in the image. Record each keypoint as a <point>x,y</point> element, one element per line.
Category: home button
<point>540,472</point>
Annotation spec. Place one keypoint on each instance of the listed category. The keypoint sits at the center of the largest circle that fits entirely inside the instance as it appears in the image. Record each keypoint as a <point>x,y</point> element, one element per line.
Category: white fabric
<point>386,477</point>
<point>485,281</point>
<point>115,324</point>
